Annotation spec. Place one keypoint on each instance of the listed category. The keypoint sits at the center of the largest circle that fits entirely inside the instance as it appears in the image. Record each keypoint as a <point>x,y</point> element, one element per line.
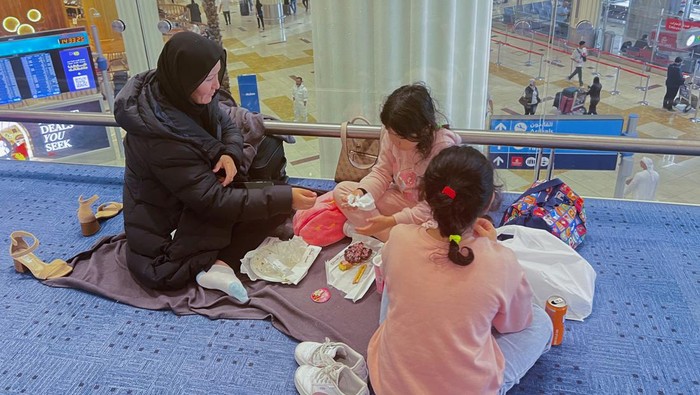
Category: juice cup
<point>378,274</point>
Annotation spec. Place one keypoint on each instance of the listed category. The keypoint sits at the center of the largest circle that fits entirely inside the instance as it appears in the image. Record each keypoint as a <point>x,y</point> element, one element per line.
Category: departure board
<point>40,75</point>
<point>9,91</point>
<point>45,64</point>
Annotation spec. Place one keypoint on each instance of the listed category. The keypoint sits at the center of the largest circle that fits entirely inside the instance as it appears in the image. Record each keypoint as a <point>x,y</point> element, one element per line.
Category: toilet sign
<point>512,157</point>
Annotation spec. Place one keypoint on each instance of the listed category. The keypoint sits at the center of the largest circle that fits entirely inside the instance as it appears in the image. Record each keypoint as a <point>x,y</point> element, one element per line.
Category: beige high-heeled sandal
<point>108,210</point>
<point>23,258</point>
<point>87,219</point>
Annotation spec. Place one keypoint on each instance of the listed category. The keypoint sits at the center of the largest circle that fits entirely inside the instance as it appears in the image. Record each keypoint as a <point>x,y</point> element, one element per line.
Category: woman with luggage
<point>531,98</point>
<point>594,93</point>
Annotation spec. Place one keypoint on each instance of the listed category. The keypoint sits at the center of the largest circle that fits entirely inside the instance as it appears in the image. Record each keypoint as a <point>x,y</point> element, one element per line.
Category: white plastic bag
<point>553,268</point>
<point>274,260</point>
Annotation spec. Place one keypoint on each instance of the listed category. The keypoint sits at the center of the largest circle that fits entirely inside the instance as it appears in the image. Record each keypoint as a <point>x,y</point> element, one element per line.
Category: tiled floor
<point>286,50</point>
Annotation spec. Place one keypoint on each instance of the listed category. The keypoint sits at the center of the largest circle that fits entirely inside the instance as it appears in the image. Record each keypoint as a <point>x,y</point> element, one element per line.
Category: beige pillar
<point>142,40</point>
<point>585,10</point>
<point>364,49</point>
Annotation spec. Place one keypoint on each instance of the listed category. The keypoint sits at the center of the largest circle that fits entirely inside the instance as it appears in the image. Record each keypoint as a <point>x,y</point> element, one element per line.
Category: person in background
<point>642,186</point>
<point>411,136</point>
<point>489,103</point>
<point>300,97</point>
<point>195,13</point>
<point>642,43</point>
<point>460,317</point>
<point>259,13</point>
<point>532,98</point>
<point>674,80</point>
<point>225,9</point>
<point>305,3</point>
<point>594,93</point>
<point>184,218</point>
<point>579,56</point>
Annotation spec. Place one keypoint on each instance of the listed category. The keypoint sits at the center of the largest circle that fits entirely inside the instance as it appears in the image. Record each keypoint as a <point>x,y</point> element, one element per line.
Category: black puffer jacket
<point>169,186</point>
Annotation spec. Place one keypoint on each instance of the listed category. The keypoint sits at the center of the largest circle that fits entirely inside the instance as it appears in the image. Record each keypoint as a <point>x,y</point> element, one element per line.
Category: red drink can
<point>556,309</point>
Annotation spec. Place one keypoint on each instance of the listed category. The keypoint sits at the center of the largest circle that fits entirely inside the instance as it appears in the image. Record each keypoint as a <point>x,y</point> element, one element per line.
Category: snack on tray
<point>356,253</point>
<point>344,265</point>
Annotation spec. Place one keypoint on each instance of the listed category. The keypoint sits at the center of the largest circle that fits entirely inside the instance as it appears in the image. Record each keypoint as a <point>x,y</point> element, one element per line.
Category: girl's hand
<point>376,225</point>
<point>303,199</point>
<point>484,228</point>
<point>226,162</point>
<point>357,192</point>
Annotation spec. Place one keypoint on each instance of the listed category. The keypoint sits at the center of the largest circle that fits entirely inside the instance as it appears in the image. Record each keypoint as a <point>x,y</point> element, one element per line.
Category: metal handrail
<point>538,140</point>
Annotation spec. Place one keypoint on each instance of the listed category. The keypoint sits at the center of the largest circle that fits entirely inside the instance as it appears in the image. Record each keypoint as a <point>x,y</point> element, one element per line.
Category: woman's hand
<point>376,225</point>
<point>484,228</point>
<point>226,162</point>
<point>303,199</point>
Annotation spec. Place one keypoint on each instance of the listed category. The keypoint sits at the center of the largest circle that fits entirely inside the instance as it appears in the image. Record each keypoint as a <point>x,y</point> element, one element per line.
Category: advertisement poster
<point>54,141</point>
<point>78,69</point>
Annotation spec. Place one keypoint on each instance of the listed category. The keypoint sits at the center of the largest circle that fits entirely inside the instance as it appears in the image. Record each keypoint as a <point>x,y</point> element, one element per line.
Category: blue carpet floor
<point>642,337</point>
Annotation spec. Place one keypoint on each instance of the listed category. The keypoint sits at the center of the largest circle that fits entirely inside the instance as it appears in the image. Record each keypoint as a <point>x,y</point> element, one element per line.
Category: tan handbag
<point>357,156</point>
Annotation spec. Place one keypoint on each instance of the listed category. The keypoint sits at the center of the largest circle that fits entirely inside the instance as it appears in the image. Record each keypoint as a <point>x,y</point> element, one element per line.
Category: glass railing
<point>676,161</point>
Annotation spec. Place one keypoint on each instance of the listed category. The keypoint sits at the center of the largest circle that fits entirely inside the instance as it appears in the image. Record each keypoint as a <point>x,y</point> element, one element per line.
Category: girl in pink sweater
<point>410,138</point>
<point>460,320</point>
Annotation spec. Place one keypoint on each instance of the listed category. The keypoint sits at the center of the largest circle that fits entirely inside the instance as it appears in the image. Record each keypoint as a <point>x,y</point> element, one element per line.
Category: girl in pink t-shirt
<point>460,318</point>
<point>410,138</point>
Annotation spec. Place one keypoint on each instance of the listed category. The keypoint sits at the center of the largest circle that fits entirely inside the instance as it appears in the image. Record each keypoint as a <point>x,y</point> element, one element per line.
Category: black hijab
<point>186,60</point>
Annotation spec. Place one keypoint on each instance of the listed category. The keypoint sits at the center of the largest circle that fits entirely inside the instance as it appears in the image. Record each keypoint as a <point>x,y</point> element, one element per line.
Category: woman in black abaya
<point>183,217</point>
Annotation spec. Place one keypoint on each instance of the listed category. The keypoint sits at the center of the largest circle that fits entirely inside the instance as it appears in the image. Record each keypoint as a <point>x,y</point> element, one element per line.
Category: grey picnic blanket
<point>102,270</point>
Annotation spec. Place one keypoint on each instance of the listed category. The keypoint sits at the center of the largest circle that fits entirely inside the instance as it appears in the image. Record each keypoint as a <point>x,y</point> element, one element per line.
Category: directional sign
<point>511,157</point>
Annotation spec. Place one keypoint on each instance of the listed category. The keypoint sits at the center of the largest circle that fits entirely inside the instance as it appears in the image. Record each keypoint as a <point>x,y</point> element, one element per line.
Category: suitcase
<point>245,10</point>
<point>565,104</point>
<point>287,9</point>
<point>570,91</point>
<point>557,99</point>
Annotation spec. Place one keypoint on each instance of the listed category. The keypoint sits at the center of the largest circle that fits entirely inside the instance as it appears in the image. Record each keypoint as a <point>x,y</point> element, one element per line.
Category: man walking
<point>579,57</point>
<point>674,80</point>
<point>225,9</point>
<point>300,95</point>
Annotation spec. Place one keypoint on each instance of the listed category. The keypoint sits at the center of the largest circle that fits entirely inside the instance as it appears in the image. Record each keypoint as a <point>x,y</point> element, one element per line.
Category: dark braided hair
<point>471,176</point>
<point>410,112</point>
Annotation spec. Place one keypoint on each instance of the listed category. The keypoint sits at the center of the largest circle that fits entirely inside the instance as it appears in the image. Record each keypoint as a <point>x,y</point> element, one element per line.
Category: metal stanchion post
<point>641,87</point>
<point>596,73</point>
<point>617,78</point>
<point>550,165</point>
<point>644,101</point>
<point>539,74</point>
<point>498,54</point>
<point>695,118</point>
<point>556,60</point>
<point>529,54</point>
<point>538,160</point>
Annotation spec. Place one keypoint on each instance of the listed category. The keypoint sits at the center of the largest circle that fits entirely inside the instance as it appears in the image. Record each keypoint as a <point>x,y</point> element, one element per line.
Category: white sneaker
<point>329,353</point>
<point>349,229</point>
<point>332,379</point>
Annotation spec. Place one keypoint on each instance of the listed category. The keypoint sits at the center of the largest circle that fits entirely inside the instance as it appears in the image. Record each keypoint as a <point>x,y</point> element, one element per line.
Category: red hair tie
<point>449,192</point>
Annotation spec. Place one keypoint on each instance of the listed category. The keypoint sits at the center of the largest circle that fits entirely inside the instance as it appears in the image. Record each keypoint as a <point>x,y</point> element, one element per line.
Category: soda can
<point>556,309</point>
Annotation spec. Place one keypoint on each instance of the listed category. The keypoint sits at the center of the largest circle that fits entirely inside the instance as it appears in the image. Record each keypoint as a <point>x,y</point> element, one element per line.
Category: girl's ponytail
<point>455,253</point>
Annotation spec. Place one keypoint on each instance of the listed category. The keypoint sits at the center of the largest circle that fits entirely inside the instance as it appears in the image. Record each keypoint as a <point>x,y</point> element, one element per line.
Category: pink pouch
<point>322,224</point>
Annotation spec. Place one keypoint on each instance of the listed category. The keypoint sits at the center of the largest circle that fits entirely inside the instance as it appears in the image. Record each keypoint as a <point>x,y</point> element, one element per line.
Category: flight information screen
<point>41,76</point>
<point>45,64</point>
<point>9,91</point>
